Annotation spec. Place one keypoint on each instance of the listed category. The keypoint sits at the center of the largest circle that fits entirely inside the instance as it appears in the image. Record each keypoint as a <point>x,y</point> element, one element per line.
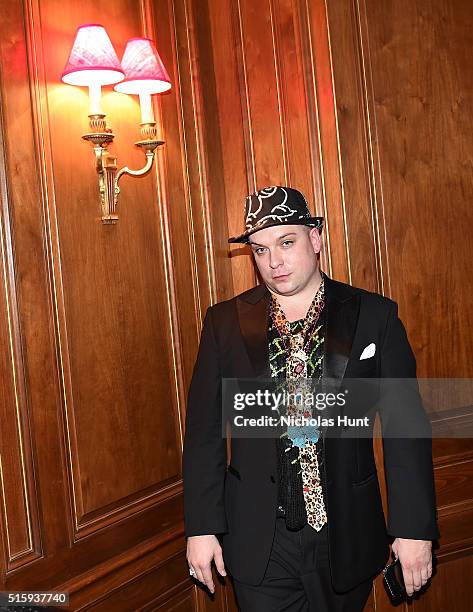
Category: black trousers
<point>297,578</point>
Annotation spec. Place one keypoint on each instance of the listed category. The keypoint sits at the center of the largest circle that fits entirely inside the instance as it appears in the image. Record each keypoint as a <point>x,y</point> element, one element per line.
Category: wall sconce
<point>93,63</point>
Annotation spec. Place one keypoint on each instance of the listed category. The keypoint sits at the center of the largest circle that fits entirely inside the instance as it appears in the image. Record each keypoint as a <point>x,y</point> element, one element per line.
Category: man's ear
<point>315,239</point>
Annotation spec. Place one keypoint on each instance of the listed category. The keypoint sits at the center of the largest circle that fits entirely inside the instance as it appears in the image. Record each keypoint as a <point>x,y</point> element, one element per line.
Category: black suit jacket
<point>238,501</point>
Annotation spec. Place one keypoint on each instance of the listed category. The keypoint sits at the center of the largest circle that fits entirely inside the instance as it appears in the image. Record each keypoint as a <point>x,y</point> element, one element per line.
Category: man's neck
<point>295,307</point>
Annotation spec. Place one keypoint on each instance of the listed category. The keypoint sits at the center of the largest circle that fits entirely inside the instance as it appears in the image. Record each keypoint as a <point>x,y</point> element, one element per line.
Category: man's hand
<point>416,562</point>
<point>201,550</point>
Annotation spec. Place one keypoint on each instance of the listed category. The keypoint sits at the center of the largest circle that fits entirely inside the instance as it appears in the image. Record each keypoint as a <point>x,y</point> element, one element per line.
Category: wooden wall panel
<point>28,378</point>
<point>100,323</point>
<point>231,117</point>
<point>268,87</point>
<point>265,128</point>
<point>365,106</point>
<point>424,129</point>
<point>356,144</point>
<point>109,306</point>
<point>16,467</point>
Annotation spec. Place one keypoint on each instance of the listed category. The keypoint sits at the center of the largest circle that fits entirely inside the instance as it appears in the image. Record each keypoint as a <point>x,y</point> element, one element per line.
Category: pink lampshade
<point>144,71</point>
<point>92,60</point>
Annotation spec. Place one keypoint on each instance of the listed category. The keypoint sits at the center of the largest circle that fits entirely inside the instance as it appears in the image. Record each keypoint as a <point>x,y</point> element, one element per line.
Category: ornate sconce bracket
<point>106,163</point>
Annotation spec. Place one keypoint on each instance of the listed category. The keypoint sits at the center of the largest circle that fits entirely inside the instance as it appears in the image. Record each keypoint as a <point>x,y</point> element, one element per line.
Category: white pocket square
<point>368,351</point>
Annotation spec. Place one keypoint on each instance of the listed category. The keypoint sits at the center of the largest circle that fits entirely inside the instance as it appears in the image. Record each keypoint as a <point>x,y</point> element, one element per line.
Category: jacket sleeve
<point>407,440</point>
<point>204,453</point>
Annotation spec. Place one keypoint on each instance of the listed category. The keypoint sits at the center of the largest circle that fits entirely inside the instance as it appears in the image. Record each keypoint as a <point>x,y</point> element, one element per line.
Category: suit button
<point>272,479</point>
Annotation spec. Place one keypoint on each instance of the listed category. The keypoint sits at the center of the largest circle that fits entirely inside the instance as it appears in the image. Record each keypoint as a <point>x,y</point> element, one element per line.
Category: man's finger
<point>417,579</point>
<point>219,563</point>
<point>198,574</point>
<point>207,578</point>
<point>408,581</point>
<point>424,572</point>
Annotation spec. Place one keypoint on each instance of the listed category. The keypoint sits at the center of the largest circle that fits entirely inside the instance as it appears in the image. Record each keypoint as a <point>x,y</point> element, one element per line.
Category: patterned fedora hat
<point>276,206</point>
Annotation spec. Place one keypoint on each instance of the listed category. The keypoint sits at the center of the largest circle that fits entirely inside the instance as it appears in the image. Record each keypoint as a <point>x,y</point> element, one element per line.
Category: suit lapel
<point>343,305</point>
<point>253,312</point>
<point>342,310</point>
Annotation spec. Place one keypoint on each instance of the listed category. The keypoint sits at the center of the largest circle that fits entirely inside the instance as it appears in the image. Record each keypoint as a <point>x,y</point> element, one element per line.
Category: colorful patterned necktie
<point>296,377</point>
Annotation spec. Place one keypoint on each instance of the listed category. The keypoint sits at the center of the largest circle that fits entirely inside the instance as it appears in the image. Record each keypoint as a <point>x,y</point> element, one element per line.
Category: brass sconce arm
<point>141,172</point>
<point>106,163</point>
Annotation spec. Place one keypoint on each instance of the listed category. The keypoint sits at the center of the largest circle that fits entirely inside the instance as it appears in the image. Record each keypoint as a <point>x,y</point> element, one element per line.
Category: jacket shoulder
<point>251,296</point>
<point>221,310</point>
<point>225,313</point>
<point>368,298</point>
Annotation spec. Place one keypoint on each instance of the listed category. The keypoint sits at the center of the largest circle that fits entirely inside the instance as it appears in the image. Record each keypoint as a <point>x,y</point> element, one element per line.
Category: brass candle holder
<point>106,163</point>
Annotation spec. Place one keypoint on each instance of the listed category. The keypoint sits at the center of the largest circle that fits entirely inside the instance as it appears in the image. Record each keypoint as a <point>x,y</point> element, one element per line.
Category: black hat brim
<point>317,222</point>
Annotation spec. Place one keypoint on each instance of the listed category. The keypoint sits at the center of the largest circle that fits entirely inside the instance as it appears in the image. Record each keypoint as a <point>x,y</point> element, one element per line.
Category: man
<point>300,520</point>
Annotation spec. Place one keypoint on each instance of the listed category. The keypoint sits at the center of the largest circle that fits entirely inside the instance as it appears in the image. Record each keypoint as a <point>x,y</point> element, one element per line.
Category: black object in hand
<point>394,581</point>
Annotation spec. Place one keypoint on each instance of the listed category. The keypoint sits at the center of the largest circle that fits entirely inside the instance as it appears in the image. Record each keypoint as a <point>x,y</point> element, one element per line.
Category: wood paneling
<point>100,324</point>
<point>364,105</point>
<point>424,132</point>
<point>111,309</point>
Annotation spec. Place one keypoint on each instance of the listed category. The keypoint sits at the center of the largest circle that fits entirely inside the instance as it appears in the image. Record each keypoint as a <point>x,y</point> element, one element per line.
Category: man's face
<point>286,256</point>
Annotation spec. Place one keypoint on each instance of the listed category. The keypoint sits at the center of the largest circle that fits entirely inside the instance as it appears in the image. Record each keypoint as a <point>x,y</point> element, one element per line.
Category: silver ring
<point>192,571</point>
